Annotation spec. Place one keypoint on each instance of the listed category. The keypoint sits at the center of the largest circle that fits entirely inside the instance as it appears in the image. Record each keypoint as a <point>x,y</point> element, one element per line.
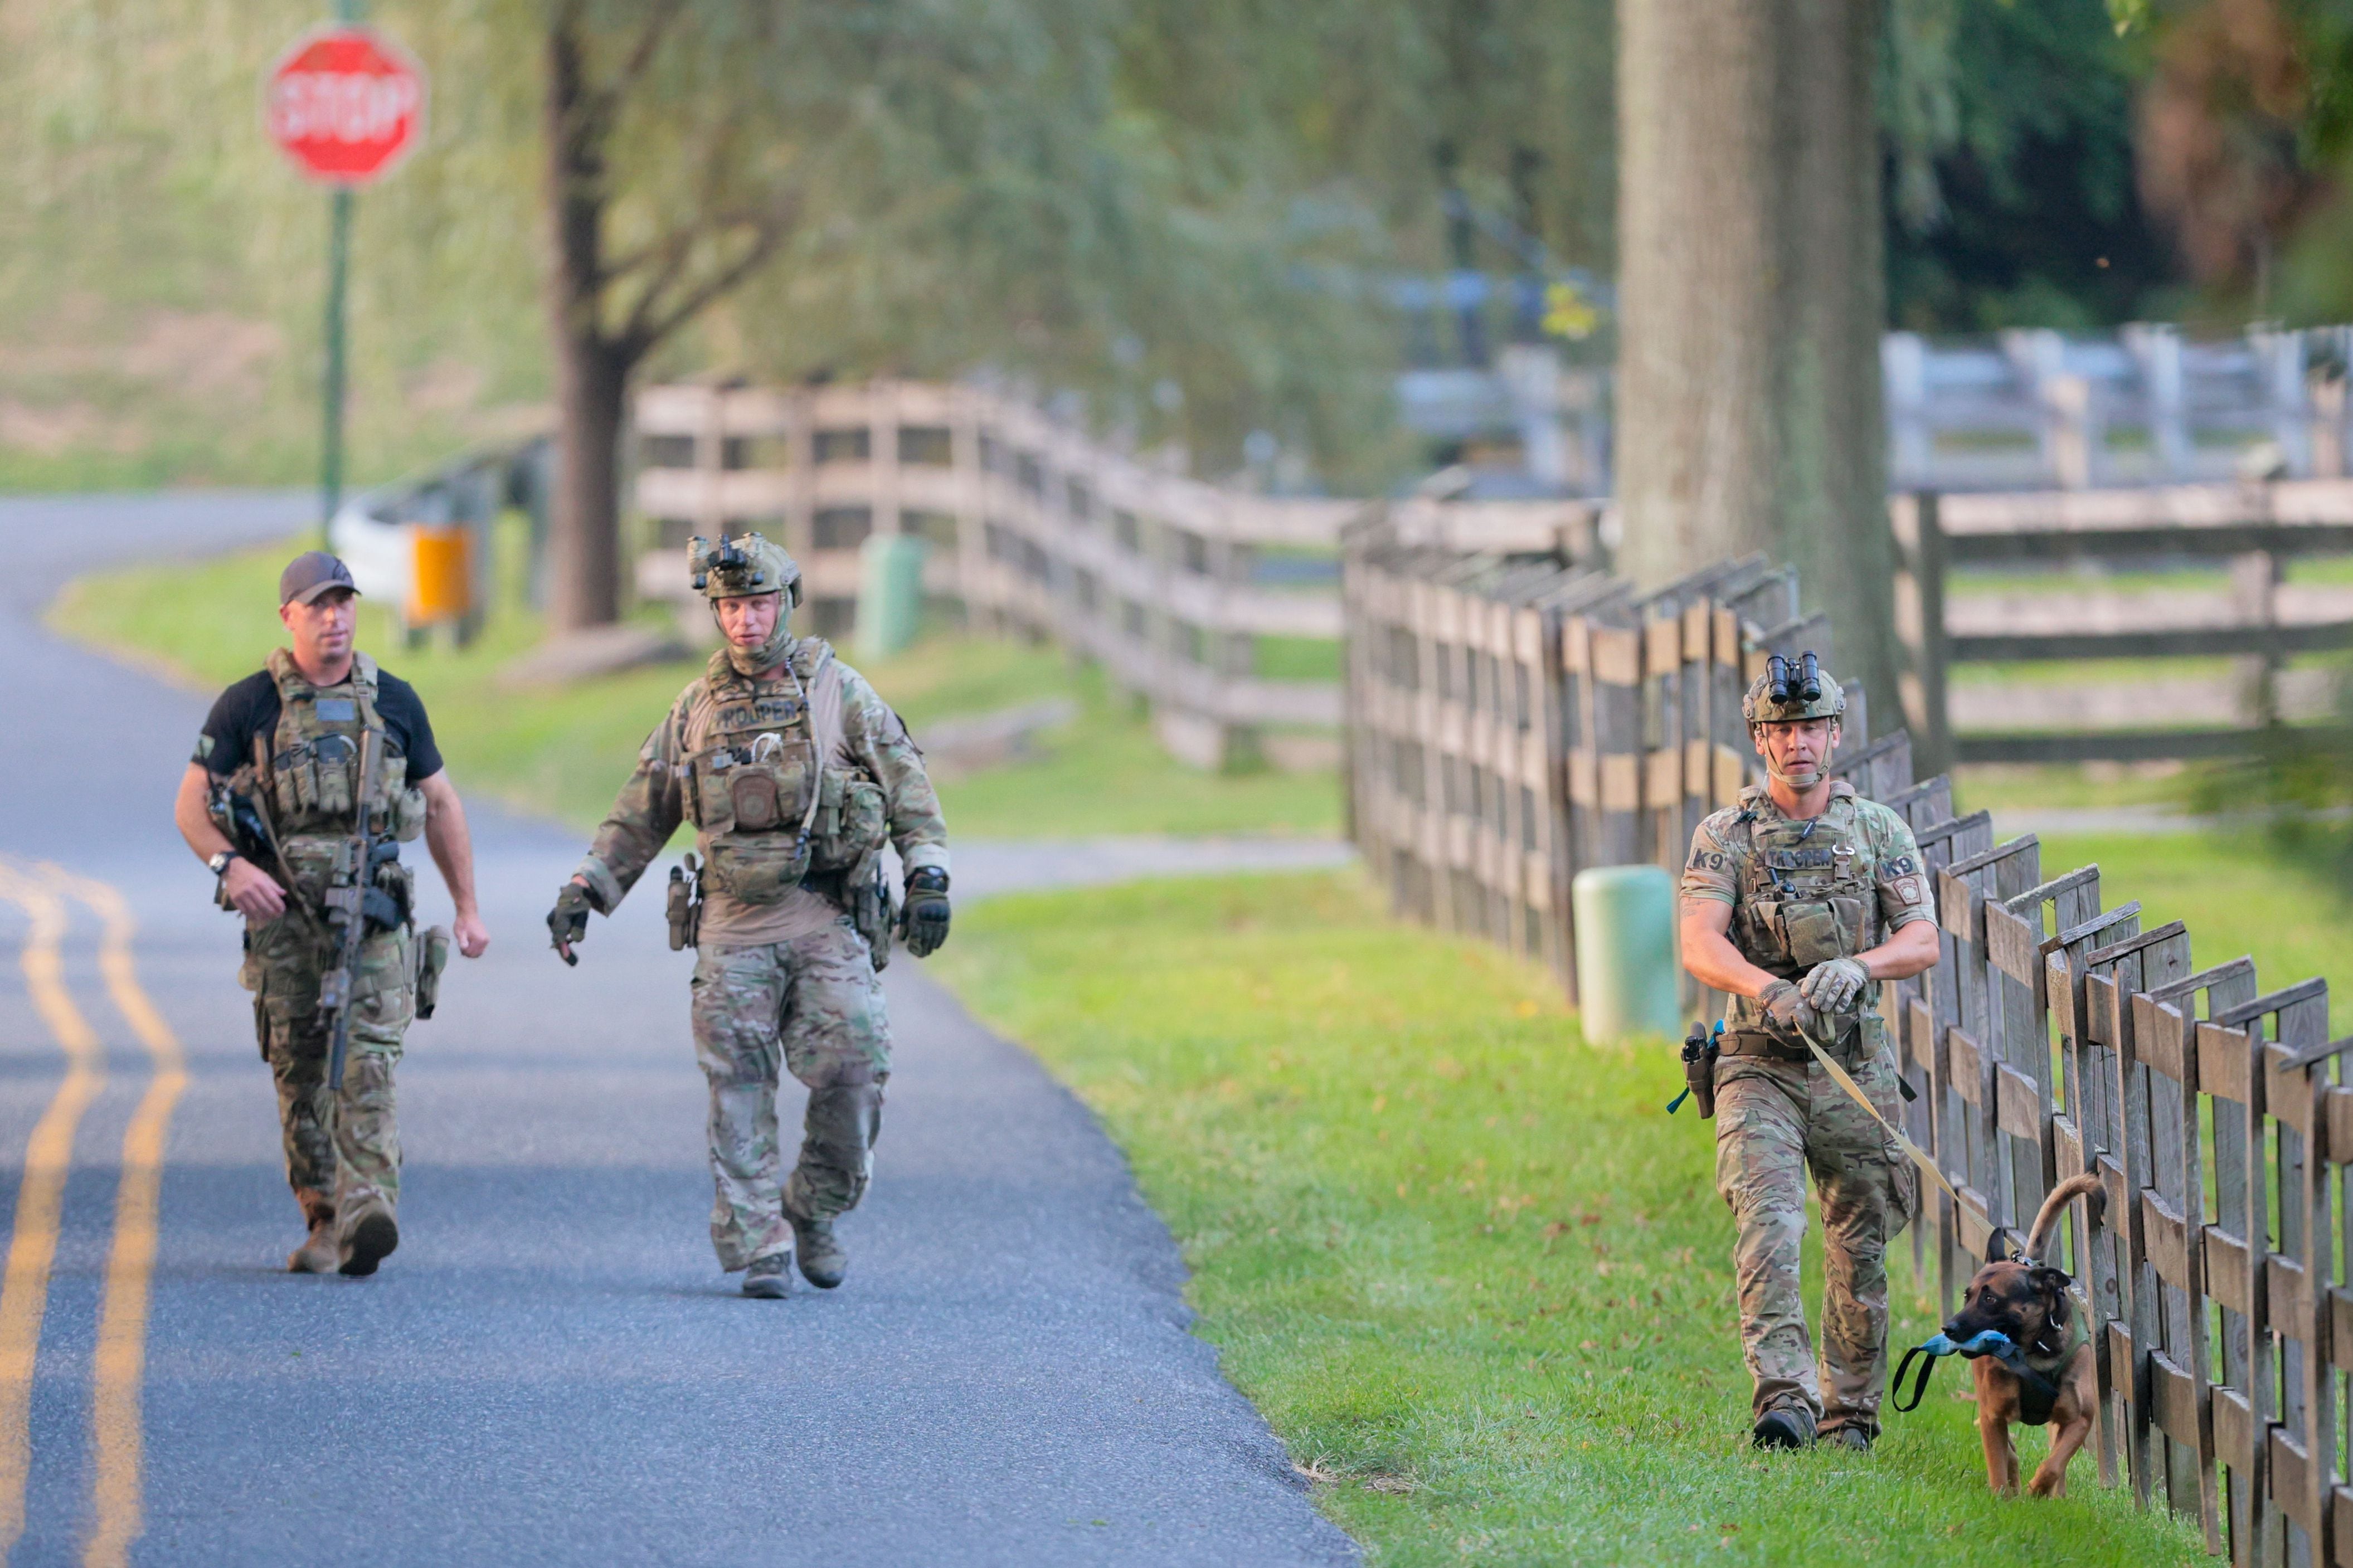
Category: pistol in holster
<point>685,905</point>
<point>1699,1051</point>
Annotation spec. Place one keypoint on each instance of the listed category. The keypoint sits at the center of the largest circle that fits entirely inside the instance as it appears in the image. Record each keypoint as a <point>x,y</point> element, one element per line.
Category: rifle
<point>346,900</point>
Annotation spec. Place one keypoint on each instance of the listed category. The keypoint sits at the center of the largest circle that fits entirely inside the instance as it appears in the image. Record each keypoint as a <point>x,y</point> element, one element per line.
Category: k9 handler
<point>795,775</point>
<point>1796,903</point>
<point>289,743</point>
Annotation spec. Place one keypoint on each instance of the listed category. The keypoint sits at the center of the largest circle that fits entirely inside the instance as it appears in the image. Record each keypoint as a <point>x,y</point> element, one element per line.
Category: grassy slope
<point>1470,1272</point>
<point>565,752</point>
<point>1459,1258</point>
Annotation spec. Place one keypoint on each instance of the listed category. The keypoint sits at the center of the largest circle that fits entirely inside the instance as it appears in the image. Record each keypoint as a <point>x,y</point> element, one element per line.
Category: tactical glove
<point>925,923</point>
<point>567,923</point>
<point>1788,1008</point>
<point>1833,985</point>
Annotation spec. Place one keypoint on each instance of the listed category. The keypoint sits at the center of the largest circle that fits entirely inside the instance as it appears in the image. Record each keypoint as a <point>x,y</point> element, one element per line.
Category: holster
<point>685,906</point>
<point>1699,1076</point>
<point>432,958</point>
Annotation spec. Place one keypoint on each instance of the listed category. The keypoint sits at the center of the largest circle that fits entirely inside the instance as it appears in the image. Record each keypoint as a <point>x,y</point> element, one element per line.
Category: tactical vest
<point>1809,894</point>
<point>770,810</point>
<point>310,774</point>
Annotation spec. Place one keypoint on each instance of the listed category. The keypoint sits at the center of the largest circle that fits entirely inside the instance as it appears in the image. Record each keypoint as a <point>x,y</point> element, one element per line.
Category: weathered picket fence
<point>1514,720</point>
<point>2058,1037</point>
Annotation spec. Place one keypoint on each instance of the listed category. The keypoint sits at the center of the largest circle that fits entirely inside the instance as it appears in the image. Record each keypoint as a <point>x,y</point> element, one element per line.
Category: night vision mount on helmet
<point>739,567</point>
<point>1791,689</point>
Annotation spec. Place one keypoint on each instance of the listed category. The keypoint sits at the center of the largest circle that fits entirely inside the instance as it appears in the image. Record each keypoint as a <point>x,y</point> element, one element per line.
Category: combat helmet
<point>746,564</point>
<point>1791,689</point>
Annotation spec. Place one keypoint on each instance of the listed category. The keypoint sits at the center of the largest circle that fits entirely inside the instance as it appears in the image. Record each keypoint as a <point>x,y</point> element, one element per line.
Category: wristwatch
<point>219,863</point>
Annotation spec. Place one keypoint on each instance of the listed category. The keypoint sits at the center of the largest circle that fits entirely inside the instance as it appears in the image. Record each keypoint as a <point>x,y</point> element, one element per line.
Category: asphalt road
<point>551,1369</point>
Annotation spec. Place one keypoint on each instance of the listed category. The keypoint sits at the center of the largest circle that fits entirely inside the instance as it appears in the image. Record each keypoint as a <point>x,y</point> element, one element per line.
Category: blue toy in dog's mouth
<point>1987,1342</point>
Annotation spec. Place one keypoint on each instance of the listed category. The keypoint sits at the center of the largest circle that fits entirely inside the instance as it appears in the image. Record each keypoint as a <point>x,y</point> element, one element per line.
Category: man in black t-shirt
<point>310,743</point>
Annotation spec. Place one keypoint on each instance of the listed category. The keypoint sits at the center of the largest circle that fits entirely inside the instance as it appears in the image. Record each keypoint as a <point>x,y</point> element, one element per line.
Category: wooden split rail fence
<point>1514,719</point>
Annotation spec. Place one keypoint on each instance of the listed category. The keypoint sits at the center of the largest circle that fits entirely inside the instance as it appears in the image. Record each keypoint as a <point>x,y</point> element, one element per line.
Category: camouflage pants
<point>343,1151</point>
<point>813,1007</point>
<point>1774,1122</point>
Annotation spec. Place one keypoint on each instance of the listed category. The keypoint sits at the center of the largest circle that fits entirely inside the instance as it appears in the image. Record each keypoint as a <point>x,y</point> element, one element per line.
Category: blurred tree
<point>1751,297</point>
<point>2011,198</point>
<point>695,86</point>
<point>2227,155</point>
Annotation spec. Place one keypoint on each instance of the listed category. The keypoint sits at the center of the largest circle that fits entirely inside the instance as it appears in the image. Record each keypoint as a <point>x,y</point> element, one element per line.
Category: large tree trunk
<point>591,372</point>
<point>584,533</point>
<point>1751,298</point>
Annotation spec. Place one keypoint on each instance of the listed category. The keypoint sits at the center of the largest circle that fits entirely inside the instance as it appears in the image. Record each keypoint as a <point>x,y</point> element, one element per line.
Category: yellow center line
<point>120,1363</point>
<point>40,1196</point>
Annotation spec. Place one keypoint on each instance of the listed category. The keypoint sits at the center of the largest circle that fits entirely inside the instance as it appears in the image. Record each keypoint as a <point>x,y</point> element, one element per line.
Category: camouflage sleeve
<point>1711,872</point>
<point>1905,894</point>
<point>644,816</point>
<point>879,740</point>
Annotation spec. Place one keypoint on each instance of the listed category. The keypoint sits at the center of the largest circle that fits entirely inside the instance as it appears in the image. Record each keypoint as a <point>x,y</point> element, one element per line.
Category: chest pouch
<point>757,868</point>
<point>850,822</point>
<point>313,860</point>
<point>1816,932</point>
<point>408,815</point>
<point>335,760</point>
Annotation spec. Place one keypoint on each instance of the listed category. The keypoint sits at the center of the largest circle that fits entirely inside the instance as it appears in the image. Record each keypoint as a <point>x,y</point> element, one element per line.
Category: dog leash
<point>1854,1090</point>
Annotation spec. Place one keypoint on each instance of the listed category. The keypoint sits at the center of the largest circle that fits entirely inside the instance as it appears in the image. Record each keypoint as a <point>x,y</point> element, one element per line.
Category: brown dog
<point>2047,1376</point>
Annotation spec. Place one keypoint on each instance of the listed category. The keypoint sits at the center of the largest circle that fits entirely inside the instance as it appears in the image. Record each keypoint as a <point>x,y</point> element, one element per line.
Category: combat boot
<point>320,1253</point>
<point>371,1239</point>
<point>823,1262</point>
<point>1851,1438</point>
<point>1785,1428</point>
<point>769,1278</point>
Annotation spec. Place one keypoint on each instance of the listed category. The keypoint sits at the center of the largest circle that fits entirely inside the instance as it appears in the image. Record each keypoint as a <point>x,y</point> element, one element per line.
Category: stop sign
<point>346,104</point>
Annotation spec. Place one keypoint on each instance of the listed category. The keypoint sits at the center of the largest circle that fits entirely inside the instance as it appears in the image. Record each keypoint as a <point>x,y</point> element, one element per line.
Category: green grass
<point>565,752</point>
<point>2037,785</point>
<point>1471,1274</point>
<point>2236,894</point>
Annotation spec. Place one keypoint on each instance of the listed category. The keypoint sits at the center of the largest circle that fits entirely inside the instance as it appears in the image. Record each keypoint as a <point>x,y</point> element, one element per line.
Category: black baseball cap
<point>309,574</point>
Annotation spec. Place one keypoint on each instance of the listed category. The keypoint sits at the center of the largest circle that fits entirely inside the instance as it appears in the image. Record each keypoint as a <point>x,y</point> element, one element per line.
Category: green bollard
<point>1626,975</point>
<point>890,594</point>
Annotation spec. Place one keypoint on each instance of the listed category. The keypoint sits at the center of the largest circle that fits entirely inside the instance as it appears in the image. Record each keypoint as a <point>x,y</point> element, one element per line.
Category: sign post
<point>345,104</point>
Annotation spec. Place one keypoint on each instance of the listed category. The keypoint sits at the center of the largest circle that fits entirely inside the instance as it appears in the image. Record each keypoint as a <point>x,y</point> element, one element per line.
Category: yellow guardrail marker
<point>119,1366</point>
<point>40,1196</point>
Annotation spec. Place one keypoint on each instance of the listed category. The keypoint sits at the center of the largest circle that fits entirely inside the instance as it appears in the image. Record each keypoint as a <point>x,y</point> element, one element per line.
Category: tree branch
<point>603,105</point>
<point>648,327</point>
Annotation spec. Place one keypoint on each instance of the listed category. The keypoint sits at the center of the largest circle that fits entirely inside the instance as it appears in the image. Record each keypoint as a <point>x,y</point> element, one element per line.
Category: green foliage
<point>2012,196</point>
<point>564,754</point>
<point>1473,1275</point>
<point>1118,199</point>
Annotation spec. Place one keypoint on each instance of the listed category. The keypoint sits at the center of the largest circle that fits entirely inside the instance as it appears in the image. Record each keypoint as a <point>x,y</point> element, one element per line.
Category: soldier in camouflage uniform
<point>288,742</point>
<point>796,776</point>
<point>1796,903</point>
